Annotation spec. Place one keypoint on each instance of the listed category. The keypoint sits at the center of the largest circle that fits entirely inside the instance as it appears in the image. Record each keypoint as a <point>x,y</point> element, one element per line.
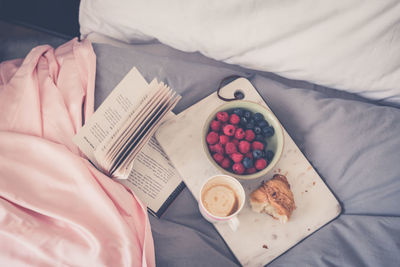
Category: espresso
<point>220,199</point>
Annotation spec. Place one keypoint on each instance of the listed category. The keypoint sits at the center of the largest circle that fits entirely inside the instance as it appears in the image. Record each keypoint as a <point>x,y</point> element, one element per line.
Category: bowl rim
<point>278,152</point>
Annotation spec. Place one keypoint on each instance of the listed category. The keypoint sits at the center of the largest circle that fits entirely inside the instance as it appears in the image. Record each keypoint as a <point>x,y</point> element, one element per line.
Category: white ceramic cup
<point>222,179</point>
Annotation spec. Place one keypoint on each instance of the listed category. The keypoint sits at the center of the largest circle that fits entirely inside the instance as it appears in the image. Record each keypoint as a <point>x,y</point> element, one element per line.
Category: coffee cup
<point>221,199</point>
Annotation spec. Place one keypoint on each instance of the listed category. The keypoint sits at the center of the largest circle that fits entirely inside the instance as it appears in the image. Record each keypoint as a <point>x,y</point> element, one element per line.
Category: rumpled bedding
<point>353,144</point>
<point>348,45</point>
<point>56,209</point>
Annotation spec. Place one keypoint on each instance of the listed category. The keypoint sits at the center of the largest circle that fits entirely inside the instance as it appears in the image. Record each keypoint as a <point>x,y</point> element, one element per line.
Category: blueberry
<point>257,154</point>
<point>257,130</point>
<point>247,114</point>
<point>259,137</point>
<point>243,121</point>
<point>262,123</point>
<point>258,117</point>
<point>238,111</point>
<point>268,131</point>
<point>247,162</point>
<point>250,125</point>
<point>269,155</point>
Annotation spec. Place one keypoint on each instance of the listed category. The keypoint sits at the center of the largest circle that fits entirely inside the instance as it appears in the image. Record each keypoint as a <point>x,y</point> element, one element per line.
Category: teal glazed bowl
<point>274,143</point>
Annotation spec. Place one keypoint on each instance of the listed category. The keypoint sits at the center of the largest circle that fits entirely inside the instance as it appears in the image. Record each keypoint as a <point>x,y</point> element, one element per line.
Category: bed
<point>340,104</point>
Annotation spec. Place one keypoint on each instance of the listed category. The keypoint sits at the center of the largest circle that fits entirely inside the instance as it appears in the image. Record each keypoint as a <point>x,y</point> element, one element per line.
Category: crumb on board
<point>313,183</point>
<point>265,246</point>
<point>308,229</point>
<point>306,191</point>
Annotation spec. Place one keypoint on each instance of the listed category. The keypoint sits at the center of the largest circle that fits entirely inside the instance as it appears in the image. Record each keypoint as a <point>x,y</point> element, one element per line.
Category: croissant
<point>275,198</point>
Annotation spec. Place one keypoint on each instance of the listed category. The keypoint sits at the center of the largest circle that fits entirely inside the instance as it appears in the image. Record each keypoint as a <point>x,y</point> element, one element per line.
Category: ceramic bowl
<point>274,143</point>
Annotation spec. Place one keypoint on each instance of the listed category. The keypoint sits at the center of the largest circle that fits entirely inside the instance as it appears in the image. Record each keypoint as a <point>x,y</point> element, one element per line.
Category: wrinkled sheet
<point>349,45</point>
<point>56,209</point>
<point>352,142</point>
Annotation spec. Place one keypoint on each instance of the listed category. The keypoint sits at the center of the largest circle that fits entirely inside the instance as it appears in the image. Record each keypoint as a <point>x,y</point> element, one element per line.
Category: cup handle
<point>234,223</point>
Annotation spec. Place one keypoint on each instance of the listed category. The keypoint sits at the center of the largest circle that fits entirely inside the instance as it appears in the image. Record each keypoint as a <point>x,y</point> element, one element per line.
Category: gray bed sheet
<point>353,143</point>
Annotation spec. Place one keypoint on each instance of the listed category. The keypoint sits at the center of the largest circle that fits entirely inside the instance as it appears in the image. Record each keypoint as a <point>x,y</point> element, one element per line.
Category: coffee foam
<point>220,199</point>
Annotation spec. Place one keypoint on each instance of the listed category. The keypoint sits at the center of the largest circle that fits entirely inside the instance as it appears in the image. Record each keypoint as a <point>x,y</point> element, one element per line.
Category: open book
<point>117,140</point>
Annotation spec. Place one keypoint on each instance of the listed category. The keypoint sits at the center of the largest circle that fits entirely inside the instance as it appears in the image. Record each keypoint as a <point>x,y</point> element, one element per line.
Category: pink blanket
<point>55,208</point>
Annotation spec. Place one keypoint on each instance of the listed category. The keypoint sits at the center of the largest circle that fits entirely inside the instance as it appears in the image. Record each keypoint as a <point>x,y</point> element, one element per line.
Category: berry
<point>218,148</point>
<point>215,125</point>
<point>251,170</point>
<point>222,116</point>
<point>268,131</point>
<point>236,157</point>
<point>257,145</point>
<point>262,123</point>
<point>244,147</point>
<point>238,111</point>
<point>229,130</point>
<point>249,135</point>
<point>257,154</point>
<point>218,157</point>
<point>260,164</point>
<point>247,114</point>
<point>258,117</point>
<point>230,148</point>
<point>247,162</point>
<point>269,155</point>
<point>226,163</point>
<point>243,121</point>
<point>235,141</point>
<point>238,168</point>
<point>257,130</point>
<point>250,125</point>
<point>239,133</point>
<point>212,138</point>
<point>223,139</point>
<point>234,119</point>
<point>260,138</point>
<point>249,155</point>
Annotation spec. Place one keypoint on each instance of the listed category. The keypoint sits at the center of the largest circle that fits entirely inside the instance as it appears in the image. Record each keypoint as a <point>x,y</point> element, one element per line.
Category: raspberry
<point>238,168</point>
<point>222,116</point>
<point>257,145</point>
<point>218,157</point>
<point>218,148</point>
<point>244,147</point>
<point>223,139</point>
<point>249,155</point>
<point>226,163</point>
<point>236,157</point>
<point>249,135</point>
<point>212,138</point>
<point>239,133</point>
<point>235,141</point>
<point>230,148</point>
<point>229,130</point>
<point>260,164</point>
<point>251,170</point>
<point>234,119</point>
<point>215,125</point>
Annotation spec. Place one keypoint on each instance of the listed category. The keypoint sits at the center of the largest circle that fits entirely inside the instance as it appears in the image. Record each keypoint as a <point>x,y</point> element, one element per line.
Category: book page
<point>153,178</point>
<point>127,95</point>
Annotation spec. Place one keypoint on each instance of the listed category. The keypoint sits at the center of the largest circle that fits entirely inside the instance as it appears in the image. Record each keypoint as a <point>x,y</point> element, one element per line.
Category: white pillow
<point>351,45</point>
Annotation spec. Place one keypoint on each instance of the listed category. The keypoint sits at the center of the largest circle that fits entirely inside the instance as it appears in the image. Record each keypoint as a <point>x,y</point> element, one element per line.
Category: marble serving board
<point>259,238</point>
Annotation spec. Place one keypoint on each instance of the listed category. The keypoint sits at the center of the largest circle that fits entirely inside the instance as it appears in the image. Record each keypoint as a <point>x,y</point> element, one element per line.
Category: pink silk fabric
<point>56,209</point>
